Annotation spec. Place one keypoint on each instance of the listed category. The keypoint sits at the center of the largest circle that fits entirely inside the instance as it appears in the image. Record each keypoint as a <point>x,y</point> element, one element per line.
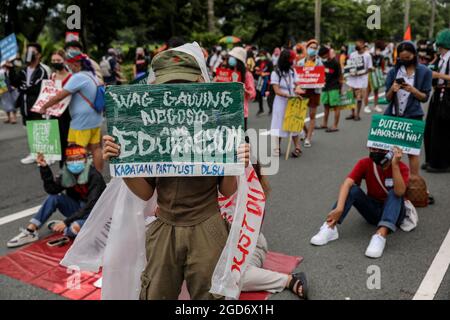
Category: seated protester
<point>383,205</point>
<point>83,185</point>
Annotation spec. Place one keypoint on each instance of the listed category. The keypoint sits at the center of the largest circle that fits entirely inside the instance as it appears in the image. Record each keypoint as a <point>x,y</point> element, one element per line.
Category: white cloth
<point>360,82</point>
<point>443,65</point>
<point>287,86</point>
<point>403,95</point>
<point>255,278</point>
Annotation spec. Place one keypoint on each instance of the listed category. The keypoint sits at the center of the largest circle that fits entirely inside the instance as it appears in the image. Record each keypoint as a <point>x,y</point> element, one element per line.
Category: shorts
<point>84,137</point>
<point>314,98</point>
<point>331,98</point>
<point>359,93</point>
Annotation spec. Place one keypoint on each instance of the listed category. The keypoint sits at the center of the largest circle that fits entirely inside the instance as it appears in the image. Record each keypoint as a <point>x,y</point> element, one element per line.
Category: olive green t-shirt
<point>186,201</point>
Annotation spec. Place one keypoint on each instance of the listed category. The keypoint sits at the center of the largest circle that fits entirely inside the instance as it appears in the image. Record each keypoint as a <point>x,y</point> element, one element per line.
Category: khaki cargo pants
<point>176,253</point>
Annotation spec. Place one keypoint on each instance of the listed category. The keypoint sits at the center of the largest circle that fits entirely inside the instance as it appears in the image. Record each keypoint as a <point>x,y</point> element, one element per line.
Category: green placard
<point>43,137</point>
<point>386,132</point>
<point>186,129</point>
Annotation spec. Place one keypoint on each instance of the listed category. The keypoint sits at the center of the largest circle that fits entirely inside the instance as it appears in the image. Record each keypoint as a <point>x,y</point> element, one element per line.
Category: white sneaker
<point>325,235</point>
<point>367,109</point>
<point>378,109</point>
<point>28,160</point>
<point>376,246</point>
<point>307,143</point>
<point>23,238</point>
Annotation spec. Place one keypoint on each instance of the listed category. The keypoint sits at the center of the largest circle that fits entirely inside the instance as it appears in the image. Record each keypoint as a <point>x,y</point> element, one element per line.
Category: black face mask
<point>58,66</point>
<point>377,157</point>
<point>405,63</point>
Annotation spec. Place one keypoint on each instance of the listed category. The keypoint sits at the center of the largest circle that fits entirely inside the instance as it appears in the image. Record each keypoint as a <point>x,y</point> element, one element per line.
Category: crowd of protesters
<point>407,75</point>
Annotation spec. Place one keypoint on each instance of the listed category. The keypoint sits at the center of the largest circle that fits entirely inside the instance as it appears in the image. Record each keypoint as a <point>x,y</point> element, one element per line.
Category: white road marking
<point>435,274</point>
<point>19,215</point>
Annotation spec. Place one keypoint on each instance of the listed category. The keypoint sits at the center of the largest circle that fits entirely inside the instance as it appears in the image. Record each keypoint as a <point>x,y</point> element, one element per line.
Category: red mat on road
<point>38,264</point>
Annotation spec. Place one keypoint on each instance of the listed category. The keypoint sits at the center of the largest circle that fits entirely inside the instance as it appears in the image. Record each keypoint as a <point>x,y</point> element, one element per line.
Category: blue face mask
<point>312,52</point>
<point>76,167</point>
<point>232,61</point>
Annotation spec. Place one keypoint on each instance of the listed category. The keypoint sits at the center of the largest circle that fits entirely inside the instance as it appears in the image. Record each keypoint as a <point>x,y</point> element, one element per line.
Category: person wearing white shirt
<point>359,80</point>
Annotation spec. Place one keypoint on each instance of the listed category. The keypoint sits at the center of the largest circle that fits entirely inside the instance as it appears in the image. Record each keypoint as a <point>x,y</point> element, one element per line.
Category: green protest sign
<point>186,129</point>
<point>386,132</point>
<point>43,137</point>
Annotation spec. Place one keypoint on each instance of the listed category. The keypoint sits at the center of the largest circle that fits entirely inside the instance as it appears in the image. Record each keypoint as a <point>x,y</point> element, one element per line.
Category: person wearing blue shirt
<point>85,126</point>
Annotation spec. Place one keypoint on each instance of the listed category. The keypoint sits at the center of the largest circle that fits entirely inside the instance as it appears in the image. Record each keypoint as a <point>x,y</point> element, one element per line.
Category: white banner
<point>49,89</point>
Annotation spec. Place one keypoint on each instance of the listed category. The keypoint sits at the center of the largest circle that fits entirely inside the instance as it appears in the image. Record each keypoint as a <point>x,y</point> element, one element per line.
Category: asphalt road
<point>302,194</point>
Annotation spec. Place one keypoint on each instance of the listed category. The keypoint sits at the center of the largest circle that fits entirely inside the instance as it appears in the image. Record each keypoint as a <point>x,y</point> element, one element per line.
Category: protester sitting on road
<point>83,185</point>
<point>283,80</point>
<point>28,82</point>
<point>189,221</point>
<point>237,61</point>
<point>76,46</point>
<point>331,93</point>
<point>359,79</point>
<point>386,179</point>
<point>408,85</point>
<point>85,126</point>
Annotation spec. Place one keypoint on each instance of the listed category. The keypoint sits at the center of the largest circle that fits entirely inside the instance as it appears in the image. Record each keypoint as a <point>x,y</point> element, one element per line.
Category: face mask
<point>381,158</point>
<point>232,62</point>
<point>405,63</point>
<point>312,52</point>
<point>58,66</point>
<point>31,56</point>
<point>75,167</point>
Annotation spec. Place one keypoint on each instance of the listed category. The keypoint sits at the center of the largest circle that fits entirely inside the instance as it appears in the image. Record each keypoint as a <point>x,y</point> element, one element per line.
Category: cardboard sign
<point>227,75</point>
<point>43,137</point>
<point>49,89</point>
<point>8,49</point>
<point>386,132</point>
<point>354,67</point>
<point>191,129</point>
<point>311,77</point>
<point>295,115</point>
<point>72,36</point>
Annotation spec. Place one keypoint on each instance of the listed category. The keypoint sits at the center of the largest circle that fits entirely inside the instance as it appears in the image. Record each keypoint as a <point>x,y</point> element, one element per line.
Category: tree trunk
<point>406,19</point>
<point>318,14</point>
<point>433,18</point>
<point>211,18</point>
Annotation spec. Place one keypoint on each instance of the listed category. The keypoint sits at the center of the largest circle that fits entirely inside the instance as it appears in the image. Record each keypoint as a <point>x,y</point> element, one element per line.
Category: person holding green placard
<point>386,179</point>
<point>187,239</point>
<point>82,185</point>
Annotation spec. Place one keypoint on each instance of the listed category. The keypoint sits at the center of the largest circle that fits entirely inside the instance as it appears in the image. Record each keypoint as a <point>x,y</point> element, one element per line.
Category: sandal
<point>350,117</point>
<point>296,153</point>
<point>299,280</point>
<point>321,127</point>
<point>331,130</point>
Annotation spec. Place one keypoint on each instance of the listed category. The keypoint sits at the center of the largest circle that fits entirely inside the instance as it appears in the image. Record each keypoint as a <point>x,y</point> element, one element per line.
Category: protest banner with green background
<point>43,137</point>
<point>186,129</point>
<point>386,132</point>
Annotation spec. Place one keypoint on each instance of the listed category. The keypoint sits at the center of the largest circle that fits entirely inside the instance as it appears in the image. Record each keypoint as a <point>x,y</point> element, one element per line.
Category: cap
<point>173,65</point>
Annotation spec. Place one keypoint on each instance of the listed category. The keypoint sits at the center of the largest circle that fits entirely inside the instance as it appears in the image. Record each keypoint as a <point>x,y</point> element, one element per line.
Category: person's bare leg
<point>414,164</point>
<point>325,116</point>
<point>13,117</point>
<point>296,141</point>
<point>312,123</point>
<point>337,116</point>
<point>358,109</point>
<point>96,151</point>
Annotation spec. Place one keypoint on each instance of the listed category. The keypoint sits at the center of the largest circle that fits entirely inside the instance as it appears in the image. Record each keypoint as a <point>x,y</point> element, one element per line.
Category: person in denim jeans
<point>386,179</point>
<point>83,186</point>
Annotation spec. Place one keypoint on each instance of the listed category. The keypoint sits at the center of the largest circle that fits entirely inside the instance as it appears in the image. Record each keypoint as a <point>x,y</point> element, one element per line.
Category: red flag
<point>407,36</point>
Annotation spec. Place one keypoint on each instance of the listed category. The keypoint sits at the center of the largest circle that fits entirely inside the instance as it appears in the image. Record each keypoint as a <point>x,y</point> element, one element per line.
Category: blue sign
<point>8,48</point>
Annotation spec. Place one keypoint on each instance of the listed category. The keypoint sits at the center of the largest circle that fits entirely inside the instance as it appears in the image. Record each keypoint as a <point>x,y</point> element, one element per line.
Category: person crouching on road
<point>386,179</point>
<point>83,185</point>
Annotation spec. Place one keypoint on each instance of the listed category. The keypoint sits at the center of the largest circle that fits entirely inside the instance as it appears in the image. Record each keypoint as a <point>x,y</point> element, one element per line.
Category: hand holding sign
<point>398,154</point>
<point>110,148</point>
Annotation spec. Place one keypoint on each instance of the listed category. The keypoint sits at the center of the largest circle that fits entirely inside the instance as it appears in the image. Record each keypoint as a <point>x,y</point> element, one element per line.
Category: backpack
<point>417,191</point>
<point>99,103</point>
<point>105,67</point>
